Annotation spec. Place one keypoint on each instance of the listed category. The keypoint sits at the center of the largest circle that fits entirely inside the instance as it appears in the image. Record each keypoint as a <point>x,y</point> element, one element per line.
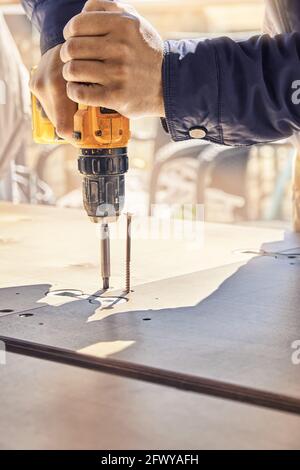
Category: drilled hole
<point>26,315</point>
<point>6,310</point>
<point>66,293</point>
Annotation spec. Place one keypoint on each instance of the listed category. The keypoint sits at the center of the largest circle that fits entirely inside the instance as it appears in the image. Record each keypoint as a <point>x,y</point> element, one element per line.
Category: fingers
<point>96,23</point>
<point>63,117</point>
<point>89,94</point>
<point>87,48</point>
<point>60,111</point>
<point>85,71</point>
<point>48,85</point>
<point>101,5</point>
<point>108,5</point>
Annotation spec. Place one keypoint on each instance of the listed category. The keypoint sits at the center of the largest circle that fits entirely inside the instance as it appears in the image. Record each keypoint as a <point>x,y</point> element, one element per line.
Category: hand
<point>113,58</point>
<point>49,86</point>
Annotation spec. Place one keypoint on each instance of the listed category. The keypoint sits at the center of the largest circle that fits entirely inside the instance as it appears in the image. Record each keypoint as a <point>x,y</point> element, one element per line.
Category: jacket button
<point>197,133</point>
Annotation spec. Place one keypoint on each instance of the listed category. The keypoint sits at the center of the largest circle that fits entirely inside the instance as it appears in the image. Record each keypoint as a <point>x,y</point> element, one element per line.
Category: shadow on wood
<point>235,323</point>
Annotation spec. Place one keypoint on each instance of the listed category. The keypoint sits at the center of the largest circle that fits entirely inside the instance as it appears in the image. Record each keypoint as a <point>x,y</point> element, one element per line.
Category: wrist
<point>51,18</point>
<point>160,106</point>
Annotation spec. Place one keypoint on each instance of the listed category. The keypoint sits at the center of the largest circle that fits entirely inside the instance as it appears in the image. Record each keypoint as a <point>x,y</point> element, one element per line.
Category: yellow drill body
<point>102,136</point>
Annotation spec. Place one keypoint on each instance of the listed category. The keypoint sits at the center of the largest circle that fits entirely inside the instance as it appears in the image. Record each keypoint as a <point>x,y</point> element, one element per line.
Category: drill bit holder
<point>103,173</point>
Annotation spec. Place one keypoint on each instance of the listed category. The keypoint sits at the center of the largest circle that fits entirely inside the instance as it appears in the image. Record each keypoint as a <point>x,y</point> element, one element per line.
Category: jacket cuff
<point>50,17</point>
<point>191,90</point>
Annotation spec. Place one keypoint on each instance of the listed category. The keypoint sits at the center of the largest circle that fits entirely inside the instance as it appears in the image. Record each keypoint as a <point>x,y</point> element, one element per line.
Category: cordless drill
<point>102,135</point>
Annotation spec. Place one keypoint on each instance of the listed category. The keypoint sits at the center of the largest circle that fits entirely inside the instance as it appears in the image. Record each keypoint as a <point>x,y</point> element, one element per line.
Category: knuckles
<point>117,97</point>
<point>63,129</point>
<point>124,51</point>
<point>70,48</point>
<point>40,83</point>
<point>70,69</point>
<point>121,71</point>
<point>73,27</point>
<point>131,24</point>
<point>91,3</point>
<point>126,21</point>
<point>76,92</point>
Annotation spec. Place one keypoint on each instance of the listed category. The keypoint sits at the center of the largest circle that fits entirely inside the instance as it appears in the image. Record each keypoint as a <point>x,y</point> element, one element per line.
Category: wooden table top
<point>204,309</point>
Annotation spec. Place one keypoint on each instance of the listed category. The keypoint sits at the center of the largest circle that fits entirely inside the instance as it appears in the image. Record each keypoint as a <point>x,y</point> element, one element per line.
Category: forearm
<point>50,17</point>
<point>239,93</point>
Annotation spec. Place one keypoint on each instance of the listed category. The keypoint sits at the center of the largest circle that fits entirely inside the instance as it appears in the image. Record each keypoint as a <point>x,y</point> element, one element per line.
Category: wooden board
<point>234,323</point>
<point>51,406</point>
<point>60,248</point>
<point>241,332</point>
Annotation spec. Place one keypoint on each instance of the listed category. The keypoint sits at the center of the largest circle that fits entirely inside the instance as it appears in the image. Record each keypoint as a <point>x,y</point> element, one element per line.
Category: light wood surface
<point>202,309</point>
<point>212,311</point>
<point>60,247</point>
<point>51,406</point>
<point>235,324</point>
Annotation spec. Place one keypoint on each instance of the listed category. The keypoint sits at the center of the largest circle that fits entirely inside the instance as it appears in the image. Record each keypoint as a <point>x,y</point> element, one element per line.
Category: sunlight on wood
<point>105,349</point>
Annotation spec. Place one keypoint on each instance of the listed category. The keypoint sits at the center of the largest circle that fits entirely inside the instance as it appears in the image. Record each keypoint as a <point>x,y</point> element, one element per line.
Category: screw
<point>128,254</point>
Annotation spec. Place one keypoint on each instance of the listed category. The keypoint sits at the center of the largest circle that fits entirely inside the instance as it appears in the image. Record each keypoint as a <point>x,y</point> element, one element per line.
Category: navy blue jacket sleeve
<point>50,17</point>
<point>237,93</point>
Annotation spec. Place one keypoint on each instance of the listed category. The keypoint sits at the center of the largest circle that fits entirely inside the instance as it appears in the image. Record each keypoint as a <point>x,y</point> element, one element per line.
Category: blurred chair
<point>231,182</point>
<point>175,171</point>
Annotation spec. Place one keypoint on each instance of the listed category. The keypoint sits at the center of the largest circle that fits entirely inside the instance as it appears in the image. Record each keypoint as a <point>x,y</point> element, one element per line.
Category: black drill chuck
<point>103,173</point>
